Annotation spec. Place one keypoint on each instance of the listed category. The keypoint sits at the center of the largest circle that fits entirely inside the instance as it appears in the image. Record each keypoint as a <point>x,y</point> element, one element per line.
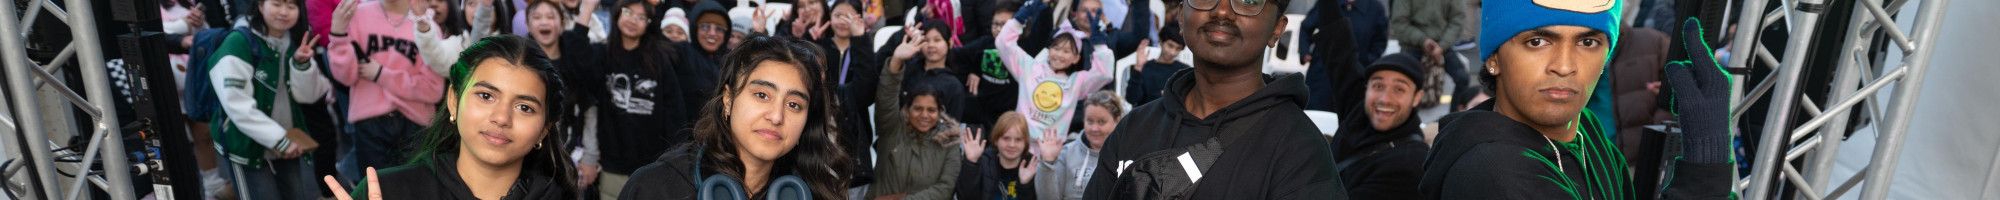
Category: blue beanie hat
<point>1500,20</point>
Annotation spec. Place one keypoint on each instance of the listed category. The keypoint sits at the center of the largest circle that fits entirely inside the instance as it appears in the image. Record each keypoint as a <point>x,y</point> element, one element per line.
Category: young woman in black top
<point>493,138</point>
<point>768,134</point>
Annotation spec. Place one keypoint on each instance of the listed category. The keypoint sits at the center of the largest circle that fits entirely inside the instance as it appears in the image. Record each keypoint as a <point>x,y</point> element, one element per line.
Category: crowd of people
<point>1000,99</point>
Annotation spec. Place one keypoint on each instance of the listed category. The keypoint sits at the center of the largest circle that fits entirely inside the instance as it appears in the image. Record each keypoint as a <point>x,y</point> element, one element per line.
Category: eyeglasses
<point>705,27</point>
<point>1242,7</point>
<point>633,13</point>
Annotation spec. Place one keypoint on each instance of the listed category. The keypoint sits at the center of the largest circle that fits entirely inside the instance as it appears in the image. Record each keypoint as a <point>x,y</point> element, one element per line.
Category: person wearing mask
<point>770,135</point>
<point>260,129</point>
<point>391,90</point>
<point>1065,174</point>
<point>1381,152</point>
<point>1223,129</point>
<point>494,139</point>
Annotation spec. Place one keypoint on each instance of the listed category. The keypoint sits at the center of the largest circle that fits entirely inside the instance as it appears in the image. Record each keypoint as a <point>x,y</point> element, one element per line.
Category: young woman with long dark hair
<point>768,134</point>
<point>494,138</point>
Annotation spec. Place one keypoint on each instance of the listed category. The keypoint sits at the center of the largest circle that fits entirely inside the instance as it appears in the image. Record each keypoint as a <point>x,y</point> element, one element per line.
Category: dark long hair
<point>298,23</point>
<point>441,138</point>
<point>652,46</point>
<point>646,38</point>
<point>455,23</point>
<point>818,157</point>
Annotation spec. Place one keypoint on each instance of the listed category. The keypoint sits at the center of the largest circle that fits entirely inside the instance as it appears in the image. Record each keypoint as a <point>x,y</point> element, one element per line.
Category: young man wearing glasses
<point>1223,130</point>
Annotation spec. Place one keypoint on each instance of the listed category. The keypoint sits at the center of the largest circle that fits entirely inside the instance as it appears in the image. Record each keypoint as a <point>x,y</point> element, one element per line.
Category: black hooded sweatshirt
<point>638,102</point>
<point>700,68</point>
<point>1270,149</point>
<point>1483,154</point>
<point>1380,164</point>
<point>437,179</point>
<point>986,179</point>
<point>674,175</point>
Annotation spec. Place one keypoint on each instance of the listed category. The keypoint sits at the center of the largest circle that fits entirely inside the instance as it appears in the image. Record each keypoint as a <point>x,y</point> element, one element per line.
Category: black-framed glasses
<point>1243,7</point>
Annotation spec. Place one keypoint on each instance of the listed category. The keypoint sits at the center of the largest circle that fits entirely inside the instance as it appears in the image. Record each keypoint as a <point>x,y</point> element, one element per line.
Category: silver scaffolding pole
<point>97,85</point>
<point>1810,181</point>
<point>90,57</point>
<point>1883,163</point>
<point>20,87</point>
<point>25,77</point>
<point>1781,103</point>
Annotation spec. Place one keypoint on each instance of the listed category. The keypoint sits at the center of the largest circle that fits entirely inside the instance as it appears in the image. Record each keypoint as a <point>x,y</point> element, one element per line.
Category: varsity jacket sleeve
<point>308,86</point>
<point>439,51</point>
<point>233,79</point>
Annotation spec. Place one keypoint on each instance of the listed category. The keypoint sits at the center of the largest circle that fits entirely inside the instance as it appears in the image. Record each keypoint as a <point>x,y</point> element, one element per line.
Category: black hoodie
<point>439,180</point>
<point>1271,150</point>
<point>639,102</point>
<point>1483,154</point>
<point>1380,164</point>
<point>698,67</point>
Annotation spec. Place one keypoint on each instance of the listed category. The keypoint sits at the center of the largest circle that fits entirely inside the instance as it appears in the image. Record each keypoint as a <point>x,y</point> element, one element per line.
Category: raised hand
<point>1028,170</point>
<point>340,193</point>
<point>342,15</point>
<point>910,45</point>
<point>196,18</point>
<point>973,145</point>
<point>1701,98</point>
<point>1139,63</point>
<point>424,21</point>
<point>757,18</point>
<point>1050,146</point>
<point>305,51</point>
<point>817,30</point>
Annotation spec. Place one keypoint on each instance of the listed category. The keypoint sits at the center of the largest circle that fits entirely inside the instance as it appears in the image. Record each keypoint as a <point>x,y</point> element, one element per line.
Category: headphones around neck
<point>723,187</point>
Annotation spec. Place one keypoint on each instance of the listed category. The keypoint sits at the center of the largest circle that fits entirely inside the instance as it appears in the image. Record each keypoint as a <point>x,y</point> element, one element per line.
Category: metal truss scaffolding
<point>1815,143</point>
<point>25,78</point>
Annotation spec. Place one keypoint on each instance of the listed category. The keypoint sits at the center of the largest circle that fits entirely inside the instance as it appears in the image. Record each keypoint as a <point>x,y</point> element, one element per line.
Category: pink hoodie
<point>1048,97</point>
<point>404,84</point>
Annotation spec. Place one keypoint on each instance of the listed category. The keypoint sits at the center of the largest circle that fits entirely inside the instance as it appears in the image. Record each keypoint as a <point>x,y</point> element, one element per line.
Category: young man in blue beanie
<point>1545,134</point>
